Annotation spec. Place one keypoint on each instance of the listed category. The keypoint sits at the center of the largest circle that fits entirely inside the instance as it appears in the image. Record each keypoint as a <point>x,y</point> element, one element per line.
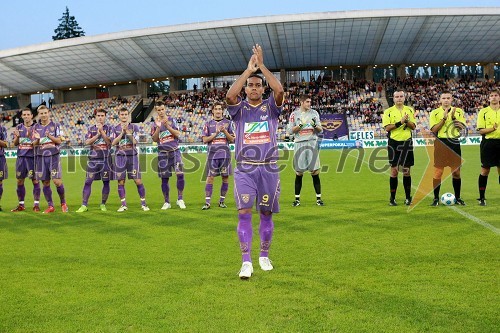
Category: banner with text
<point>361,135</point>
<point>340,144</point>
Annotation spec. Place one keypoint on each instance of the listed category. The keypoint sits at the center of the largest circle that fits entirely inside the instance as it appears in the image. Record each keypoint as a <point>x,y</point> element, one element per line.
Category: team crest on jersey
<point>245,198</point>
<point>263,108</point>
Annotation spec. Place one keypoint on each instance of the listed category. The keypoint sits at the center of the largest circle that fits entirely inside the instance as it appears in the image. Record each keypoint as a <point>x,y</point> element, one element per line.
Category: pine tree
<point>68,27</point>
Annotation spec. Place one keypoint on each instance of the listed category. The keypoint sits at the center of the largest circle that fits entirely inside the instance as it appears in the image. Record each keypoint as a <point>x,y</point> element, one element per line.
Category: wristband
<point>398,124</point>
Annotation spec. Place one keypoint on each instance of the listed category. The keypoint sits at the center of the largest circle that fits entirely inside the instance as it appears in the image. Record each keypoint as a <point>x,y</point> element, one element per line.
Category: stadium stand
<point>423,96</point>
<point>358,100</point>
<point>361,102</point>
<point>75,117</point>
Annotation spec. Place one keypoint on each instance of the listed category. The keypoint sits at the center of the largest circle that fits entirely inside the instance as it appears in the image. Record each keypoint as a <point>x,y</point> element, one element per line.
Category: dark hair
<point>27,109</point>
<point>101,110</point>
<point>258,76</point>
<point>494,91</point>
<point>304,97</point>
<point>159,103</point>
<point>122,110</point>
<point>217,104</point>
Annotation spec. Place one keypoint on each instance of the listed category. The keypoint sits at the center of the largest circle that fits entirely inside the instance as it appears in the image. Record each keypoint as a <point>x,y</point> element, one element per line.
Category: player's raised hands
<point>257,51</point>
<point>252,64</point>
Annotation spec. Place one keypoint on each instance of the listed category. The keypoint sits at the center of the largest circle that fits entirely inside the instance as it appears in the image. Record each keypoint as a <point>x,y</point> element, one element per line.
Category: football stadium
<point>96,237</point>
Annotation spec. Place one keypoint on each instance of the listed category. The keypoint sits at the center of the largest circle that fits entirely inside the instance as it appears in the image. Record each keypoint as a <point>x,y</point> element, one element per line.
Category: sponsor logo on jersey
<point>256,133</point>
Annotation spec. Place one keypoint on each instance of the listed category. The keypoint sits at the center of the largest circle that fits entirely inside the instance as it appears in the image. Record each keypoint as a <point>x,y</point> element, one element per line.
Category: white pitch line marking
<point>457,210</point>
<point>476,220</point>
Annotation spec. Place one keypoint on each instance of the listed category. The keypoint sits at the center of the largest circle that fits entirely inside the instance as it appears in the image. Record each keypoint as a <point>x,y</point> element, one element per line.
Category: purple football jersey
<point>219,146</point>
<point>255,129</point>
<point>3,137</point>
<point>166,142</point>
<point>47,147</point>
<point>125,146</point>
<point>25,147</point>
<point>99,149</point>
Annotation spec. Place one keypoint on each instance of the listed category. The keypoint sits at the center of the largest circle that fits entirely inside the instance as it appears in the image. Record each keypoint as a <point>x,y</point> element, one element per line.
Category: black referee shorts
<point>490,153</point>
<point>400,153</point>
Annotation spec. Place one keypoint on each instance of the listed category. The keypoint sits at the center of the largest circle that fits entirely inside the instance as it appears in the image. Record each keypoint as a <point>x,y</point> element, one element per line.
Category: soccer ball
<point>448,199</point>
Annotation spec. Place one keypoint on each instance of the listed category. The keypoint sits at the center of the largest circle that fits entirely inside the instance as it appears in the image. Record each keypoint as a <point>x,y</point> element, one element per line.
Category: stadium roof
<point>313,40</point>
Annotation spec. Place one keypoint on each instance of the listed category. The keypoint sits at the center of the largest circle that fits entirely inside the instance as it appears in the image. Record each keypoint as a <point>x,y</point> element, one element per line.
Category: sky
<point>31,22</point>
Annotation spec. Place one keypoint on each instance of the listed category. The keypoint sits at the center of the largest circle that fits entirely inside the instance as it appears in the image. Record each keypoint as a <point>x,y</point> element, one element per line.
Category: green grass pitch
<point>354,265</point>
